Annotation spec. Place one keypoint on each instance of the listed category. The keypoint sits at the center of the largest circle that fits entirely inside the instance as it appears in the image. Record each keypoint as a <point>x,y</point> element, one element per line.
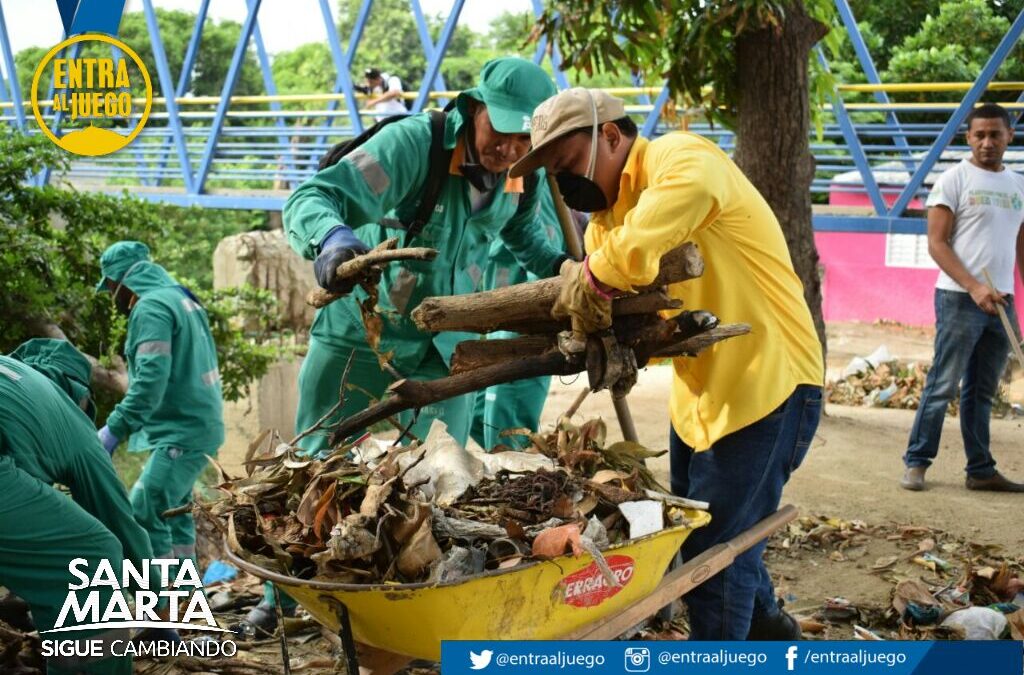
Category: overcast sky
<point>284,23</point>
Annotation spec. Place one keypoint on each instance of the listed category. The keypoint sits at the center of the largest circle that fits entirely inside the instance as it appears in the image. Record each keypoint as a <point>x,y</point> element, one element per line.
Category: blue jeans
<point>971,349</point>
<point>741,476</point>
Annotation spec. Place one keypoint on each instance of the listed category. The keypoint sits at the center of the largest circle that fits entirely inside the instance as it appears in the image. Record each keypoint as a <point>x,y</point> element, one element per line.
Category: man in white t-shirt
<point>386,92</point>
<point>975,211</point>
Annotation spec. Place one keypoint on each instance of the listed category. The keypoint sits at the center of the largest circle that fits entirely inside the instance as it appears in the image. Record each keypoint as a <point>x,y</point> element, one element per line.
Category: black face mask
<point>580,193</point>
<point>123,300</point>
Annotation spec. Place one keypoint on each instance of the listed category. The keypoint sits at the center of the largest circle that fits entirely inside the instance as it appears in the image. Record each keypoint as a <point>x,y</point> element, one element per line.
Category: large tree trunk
<point>772,145</point>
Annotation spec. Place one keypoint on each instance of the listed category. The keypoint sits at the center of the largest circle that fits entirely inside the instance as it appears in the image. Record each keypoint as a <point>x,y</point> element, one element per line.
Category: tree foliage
<point>51,239</point>
<point>213,59</point>
<point>391,42</point>
<point>690,43</point>
<point>953,45</point>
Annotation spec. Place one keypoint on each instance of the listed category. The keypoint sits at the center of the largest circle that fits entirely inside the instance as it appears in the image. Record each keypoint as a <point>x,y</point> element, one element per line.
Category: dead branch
<point>361,267</point>
<point>526,308</point>
<point>472,354</point>
<point>653,339</point>
<point>335,408</point>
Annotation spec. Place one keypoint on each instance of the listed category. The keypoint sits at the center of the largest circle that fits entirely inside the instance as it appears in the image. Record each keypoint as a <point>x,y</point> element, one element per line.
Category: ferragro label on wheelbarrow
<point>589,588</point>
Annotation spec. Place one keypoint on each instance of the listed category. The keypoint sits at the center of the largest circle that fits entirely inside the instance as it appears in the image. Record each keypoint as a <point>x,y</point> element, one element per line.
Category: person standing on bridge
<point>173,406</point>
<point>743,412</point>
<point>371,194</point>
<point>975,211</point>
<point>385,91</point>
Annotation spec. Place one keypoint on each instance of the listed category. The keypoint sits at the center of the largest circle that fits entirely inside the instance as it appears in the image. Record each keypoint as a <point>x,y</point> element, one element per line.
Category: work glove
<point>587,306</point>
<point>339,246</point>
<point>108,439</point>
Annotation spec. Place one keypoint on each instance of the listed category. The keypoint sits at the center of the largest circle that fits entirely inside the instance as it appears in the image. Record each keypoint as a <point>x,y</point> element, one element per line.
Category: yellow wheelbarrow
<point>563,598</point>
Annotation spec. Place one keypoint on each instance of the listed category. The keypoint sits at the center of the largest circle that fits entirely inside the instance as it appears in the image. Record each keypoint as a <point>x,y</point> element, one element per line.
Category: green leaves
<point>691,43</point>
<point>51,240</point>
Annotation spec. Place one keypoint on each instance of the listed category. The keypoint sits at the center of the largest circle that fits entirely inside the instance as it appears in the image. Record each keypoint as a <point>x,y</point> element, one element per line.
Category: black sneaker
<point>260,623</point>
<point>781,627</point>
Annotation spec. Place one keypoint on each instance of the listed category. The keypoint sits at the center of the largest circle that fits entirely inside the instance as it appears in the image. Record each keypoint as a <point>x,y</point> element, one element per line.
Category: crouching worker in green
<point>375,192</point>
<point>173,406</point>
<point>513,405</point>
<point>47,439</point>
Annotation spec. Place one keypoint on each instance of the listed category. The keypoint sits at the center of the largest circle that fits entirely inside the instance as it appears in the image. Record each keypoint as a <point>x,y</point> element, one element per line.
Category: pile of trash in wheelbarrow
<point>435,512</point>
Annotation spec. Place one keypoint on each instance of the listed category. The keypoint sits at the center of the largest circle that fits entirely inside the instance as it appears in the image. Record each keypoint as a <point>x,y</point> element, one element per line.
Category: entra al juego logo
<point>93,93</point>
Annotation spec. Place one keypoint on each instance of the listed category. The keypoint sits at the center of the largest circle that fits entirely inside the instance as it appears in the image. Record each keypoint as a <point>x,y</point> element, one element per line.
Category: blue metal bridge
<point>248,152</point>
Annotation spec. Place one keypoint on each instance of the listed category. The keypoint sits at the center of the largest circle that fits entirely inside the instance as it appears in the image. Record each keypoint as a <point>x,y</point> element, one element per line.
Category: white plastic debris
<point>514,462</point>
<point>447,469</point>
<point>644,517</point>
<point>979,623</point>
<point>450,469</point>
<point>860,364</point>
<point>370,450</point>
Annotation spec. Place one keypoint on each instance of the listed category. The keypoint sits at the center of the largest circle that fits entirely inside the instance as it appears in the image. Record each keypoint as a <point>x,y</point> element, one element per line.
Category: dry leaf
<point>375,497</point>
<point>406,524</point>
<point>419,552</point>
<point>1016,621</point>
<point>909,591</point>
<point>986,572</point>
<point>553,541</point>
<point>885,562</point>
<point>811,626</point>
<point>326,502</point>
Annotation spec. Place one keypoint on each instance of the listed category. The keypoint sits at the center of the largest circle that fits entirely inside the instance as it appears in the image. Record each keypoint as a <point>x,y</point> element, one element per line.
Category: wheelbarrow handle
<point>685,578</point>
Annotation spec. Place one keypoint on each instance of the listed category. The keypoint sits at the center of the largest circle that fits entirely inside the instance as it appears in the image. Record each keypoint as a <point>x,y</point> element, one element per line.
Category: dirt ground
<point>852,472</point>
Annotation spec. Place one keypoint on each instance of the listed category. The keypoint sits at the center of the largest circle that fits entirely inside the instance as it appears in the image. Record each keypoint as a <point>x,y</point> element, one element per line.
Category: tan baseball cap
<point>565,112</point>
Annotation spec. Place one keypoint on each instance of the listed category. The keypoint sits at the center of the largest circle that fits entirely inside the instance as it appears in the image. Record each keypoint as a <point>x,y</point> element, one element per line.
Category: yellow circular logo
<point>97,89</point>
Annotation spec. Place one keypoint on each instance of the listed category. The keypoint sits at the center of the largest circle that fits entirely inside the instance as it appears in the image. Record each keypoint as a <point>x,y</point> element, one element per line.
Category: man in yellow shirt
<point>743,412</point>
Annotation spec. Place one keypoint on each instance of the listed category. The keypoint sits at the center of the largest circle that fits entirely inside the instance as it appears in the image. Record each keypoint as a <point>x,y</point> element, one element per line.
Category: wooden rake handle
<point>685,578</point>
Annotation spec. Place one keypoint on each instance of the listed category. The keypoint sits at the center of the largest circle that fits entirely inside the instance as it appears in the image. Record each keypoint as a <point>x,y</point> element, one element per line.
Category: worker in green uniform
<point>513,405</point>
<point>368,197</point>
<point>364,199</point>
<point>47,439</point>
<point>173,406</point>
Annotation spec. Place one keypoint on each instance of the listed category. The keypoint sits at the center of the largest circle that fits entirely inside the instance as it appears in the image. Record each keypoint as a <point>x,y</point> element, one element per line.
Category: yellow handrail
<point>926,87</point>
<point>930,86</point>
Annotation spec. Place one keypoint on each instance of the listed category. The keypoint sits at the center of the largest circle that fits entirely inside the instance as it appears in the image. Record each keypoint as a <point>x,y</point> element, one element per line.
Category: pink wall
<point>859,287</point>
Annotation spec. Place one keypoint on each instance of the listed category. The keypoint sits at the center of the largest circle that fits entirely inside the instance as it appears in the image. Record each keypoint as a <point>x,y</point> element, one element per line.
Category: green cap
<point>118,258</point>
<point>64,365</point>
<point>511,88</point>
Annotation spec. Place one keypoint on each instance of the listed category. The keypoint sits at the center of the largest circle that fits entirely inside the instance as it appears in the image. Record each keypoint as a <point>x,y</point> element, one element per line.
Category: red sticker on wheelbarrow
<point>589,587</point>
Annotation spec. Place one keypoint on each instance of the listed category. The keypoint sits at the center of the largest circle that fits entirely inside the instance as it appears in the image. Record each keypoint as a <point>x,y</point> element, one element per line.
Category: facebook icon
<point>790,657</point>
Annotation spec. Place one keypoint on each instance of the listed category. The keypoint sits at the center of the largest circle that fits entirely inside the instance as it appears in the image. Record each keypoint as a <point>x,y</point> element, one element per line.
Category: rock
<point>264,260</point>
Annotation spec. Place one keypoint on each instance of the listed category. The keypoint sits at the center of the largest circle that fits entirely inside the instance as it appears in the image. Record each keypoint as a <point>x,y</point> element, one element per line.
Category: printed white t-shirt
<point>394,105</point>
<point>988,208</point>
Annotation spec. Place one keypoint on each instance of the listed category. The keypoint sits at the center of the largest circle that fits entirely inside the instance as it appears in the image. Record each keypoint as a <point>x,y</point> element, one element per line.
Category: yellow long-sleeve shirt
<point>680,188</point>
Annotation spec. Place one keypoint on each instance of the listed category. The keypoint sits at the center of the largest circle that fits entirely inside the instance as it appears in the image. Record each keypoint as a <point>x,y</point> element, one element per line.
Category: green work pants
<point>320,380</point>
<point>41,532</point>
<point>513,405</point>
<point>165,483</point>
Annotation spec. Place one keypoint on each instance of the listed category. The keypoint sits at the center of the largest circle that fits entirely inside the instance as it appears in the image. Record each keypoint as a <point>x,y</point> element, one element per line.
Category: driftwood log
<point>361,267</point>
<point>652,339</point>
<point>526,308</point>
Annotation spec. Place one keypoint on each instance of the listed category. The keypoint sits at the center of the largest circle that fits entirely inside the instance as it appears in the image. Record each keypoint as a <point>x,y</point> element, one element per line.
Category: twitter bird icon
<point>481,660</point>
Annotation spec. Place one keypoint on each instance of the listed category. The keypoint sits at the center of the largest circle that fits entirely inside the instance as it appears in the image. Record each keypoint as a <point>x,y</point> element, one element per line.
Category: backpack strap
<point>437,172</point>
<point>437,169</point>
<point>339,150</point>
